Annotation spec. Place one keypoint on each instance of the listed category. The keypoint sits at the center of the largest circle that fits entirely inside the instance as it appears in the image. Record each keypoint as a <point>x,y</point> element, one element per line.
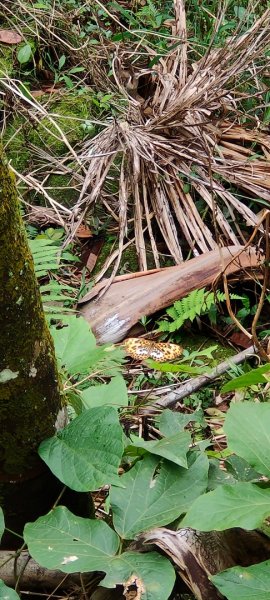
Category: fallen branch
<point>198,382</point>
<point>31,575</point>
<point>128,300</point>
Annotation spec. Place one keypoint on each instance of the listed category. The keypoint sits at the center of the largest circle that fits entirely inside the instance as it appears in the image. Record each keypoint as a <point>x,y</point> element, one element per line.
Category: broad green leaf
<point>155,494</point>
<point>7,593</point>
<point>113,393</point>
<point>87,453</point>
<point>154,572</point>
<point>251,378</point>
<point>171,422</point>
<point>247,426</point>
<point>173,448</point>
<point>74,345</point>
<point>243,505</point>
<point>77,352</point>
<point>24,54</point>
<point>61,540</point>
<point>2,523</point>
<point>250,583</point>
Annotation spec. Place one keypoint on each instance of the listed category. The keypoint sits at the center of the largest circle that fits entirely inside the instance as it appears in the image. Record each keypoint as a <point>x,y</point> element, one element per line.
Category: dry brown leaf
<point>9,36</point>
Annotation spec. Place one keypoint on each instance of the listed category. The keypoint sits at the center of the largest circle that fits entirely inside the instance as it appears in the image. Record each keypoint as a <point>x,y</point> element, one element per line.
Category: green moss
<point>6,60</point>
<point>129,260</point>
<point>21,135</point>
<point>196,342</point>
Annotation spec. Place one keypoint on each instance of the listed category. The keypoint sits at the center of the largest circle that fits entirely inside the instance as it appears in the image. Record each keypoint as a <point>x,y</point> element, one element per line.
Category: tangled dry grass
<point>184,138</point>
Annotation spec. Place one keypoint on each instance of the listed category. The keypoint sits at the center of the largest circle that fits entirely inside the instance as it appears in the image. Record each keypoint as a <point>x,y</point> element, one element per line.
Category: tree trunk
<point>30,395</point>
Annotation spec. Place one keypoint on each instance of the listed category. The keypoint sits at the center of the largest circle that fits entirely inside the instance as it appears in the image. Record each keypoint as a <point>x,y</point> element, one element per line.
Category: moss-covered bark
<point>29,386</point>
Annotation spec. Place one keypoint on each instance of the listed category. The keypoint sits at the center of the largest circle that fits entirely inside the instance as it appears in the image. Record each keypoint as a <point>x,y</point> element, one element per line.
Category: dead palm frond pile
<point>183,141</point>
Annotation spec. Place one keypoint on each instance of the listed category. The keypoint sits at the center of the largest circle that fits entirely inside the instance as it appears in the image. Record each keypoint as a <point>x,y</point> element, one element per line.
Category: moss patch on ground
<point>69,112</point>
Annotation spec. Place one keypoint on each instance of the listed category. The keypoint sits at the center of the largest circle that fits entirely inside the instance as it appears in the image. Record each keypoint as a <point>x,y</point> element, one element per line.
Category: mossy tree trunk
<point>30,398</point>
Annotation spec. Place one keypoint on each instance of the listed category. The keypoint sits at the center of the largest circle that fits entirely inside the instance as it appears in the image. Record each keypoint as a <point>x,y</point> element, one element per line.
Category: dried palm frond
<point>181,142</point>
<point>183,138</point>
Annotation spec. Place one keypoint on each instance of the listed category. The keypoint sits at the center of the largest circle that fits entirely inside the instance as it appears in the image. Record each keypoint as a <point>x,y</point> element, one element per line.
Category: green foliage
<point>80,457</point>
<point>113,393</point>
<point>78,354</point>
<point>24,54</point>
<point>254,377</point>
<point>84,545</point>
<point>172,447</point>
<point>198,302</point>
<point>7,593</point>
<point>239,583</point>
<point>155,494</point>
<point>243,504</point>
<point>253,420</point>
<point>165,479</point>
<point>48,258</point>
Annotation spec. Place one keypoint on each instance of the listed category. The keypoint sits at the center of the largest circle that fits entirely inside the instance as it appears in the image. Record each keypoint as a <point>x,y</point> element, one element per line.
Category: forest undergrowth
<point>138,133</point>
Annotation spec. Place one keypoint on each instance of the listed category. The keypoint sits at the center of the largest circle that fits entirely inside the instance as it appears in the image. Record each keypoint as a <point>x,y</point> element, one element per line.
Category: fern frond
<point>164,326</point>
<point>172,312</point>
<point>48,258</point>
<point>195,304</point>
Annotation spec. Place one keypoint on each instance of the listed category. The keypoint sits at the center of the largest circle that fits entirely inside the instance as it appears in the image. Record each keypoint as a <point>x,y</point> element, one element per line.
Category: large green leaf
<point>241,505</point>
<point>2,523</point>
<point>74,345</point>
<point>60,540</point>
<point>77,352</point>
<point>239,583</point>
<point>87,453</point>
<point>174,447</point>
<point>7,593</point>
<point>252,378</point>
<point>247,426</point>
<point>155,496</point>
<point>113,393</point>
<point>152,572</point>
<point>171,422</point>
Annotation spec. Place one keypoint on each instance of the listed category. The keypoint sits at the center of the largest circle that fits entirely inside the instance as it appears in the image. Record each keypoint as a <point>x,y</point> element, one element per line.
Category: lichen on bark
<point>29,386</point>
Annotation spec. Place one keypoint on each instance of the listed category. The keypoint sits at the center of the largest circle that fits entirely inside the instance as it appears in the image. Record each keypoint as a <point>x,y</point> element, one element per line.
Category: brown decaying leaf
<point>9,36</point>
<point>240,339</point>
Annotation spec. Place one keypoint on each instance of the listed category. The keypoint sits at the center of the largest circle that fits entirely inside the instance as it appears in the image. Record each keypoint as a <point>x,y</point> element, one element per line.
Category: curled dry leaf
<point>9,36</point>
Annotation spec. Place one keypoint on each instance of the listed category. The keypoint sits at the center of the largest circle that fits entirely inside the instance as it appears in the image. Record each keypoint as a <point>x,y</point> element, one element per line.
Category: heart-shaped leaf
<point>155,495</point>
<point>87,453</point>
<point>60,540</point>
